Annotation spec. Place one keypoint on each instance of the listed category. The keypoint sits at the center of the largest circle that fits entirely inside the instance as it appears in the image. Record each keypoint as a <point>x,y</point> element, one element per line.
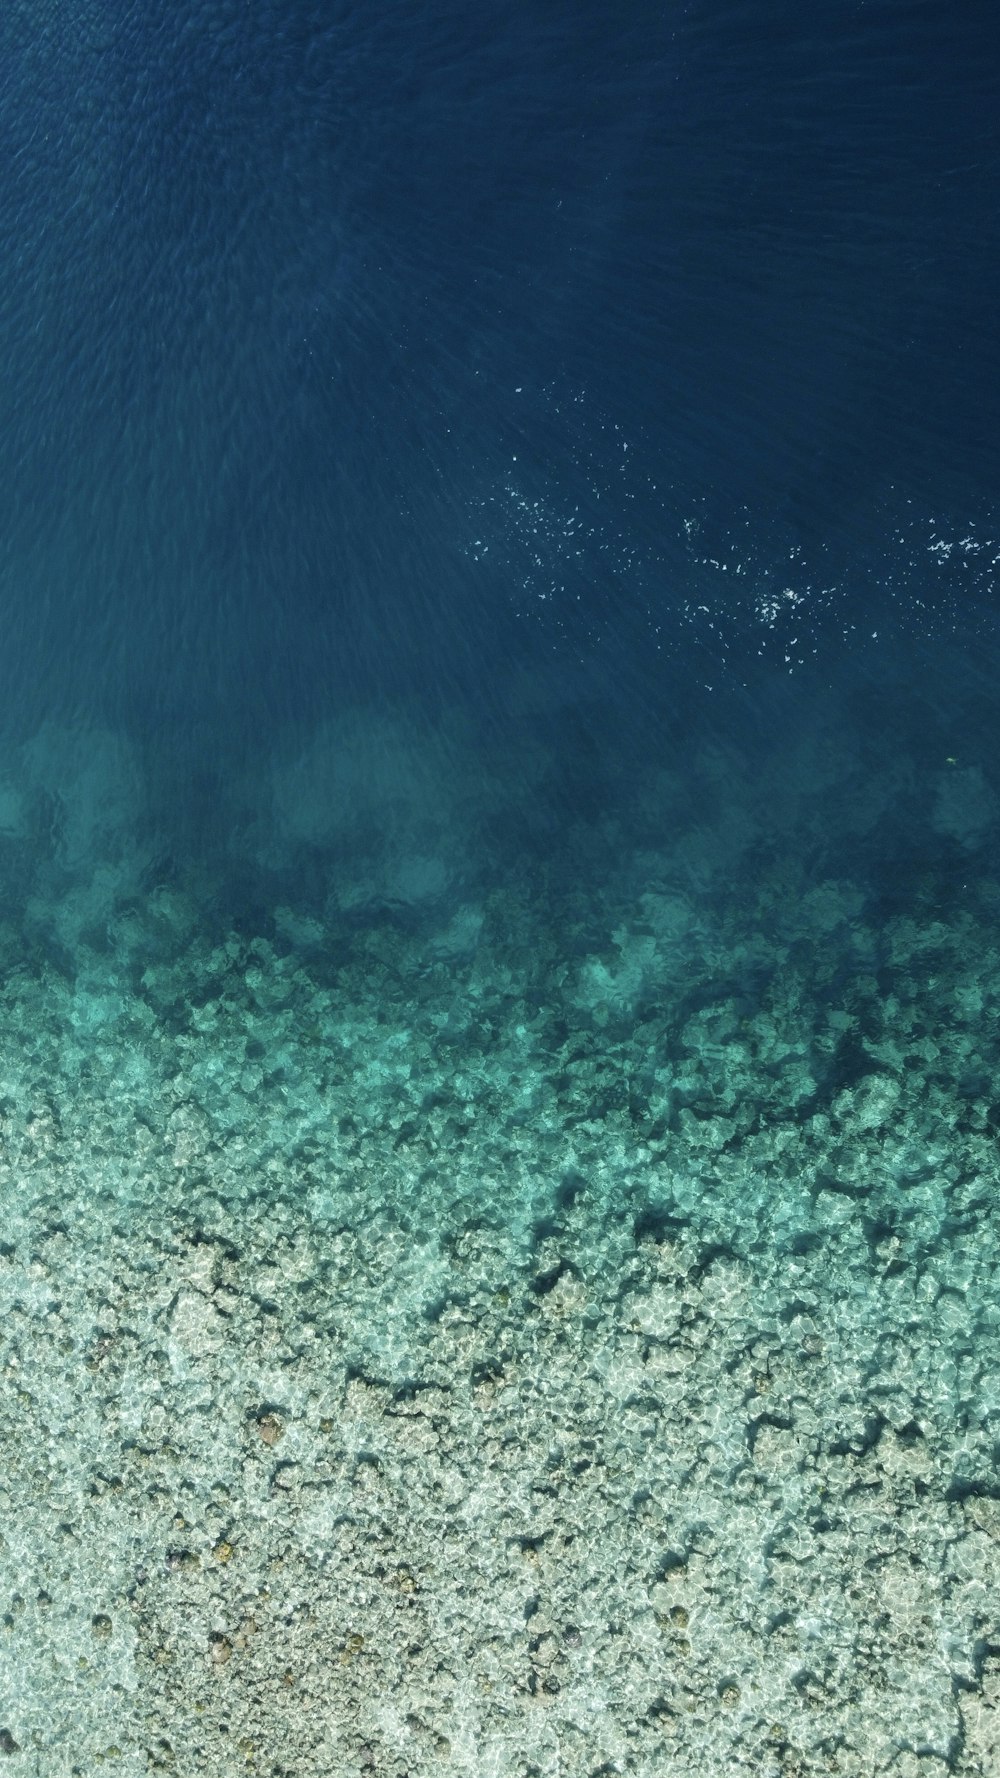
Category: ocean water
<point>499,890</point>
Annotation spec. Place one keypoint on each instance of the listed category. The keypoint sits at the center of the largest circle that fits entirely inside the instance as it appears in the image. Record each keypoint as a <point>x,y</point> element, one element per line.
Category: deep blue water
<point>602,385</point>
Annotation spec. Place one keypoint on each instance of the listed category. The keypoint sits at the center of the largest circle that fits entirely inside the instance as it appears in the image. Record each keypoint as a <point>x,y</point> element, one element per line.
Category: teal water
<point>499,875</point>
<point>514,1308</point>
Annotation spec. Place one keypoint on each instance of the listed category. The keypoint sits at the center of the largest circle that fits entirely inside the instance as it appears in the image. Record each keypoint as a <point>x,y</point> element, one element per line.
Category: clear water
<point>499,876</point>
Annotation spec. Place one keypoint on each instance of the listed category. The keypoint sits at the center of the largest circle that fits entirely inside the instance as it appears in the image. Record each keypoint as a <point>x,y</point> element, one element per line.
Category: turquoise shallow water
<point>517,1310</point>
